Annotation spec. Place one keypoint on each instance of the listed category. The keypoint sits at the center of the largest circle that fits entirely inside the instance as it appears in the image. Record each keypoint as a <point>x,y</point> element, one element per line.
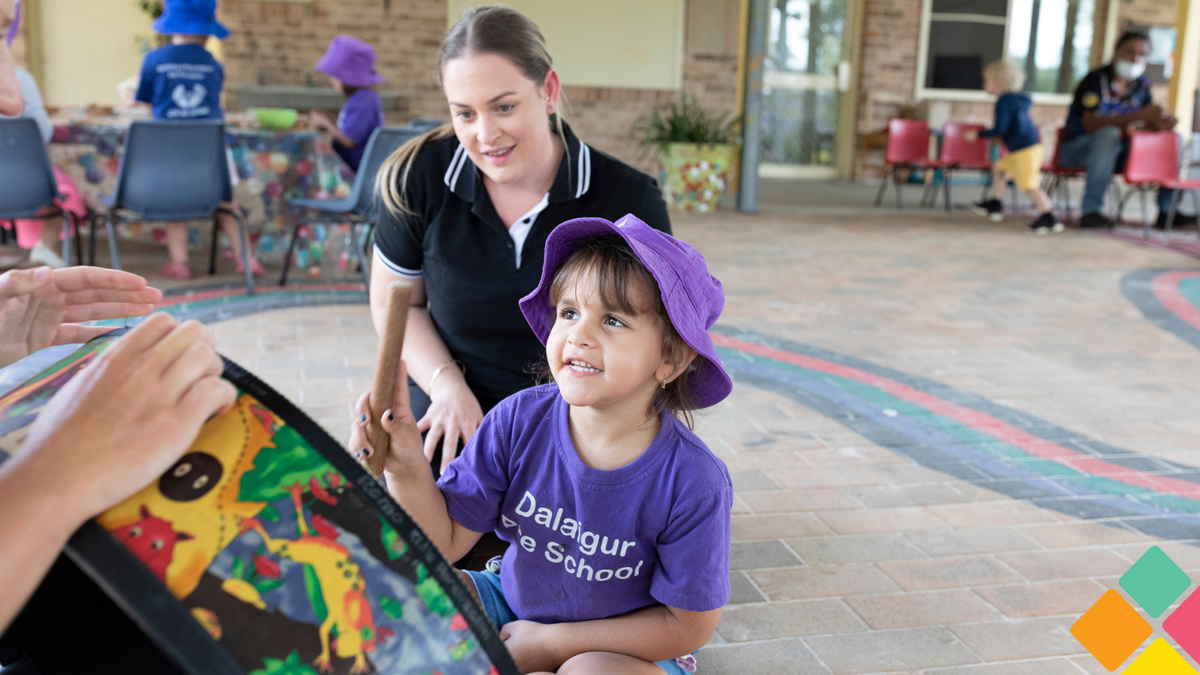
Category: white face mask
<point>1128,70</point>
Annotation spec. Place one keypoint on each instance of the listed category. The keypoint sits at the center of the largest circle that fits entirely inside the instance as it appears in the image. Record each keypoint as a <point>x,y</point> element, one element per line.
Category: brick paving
<point>947,438</point>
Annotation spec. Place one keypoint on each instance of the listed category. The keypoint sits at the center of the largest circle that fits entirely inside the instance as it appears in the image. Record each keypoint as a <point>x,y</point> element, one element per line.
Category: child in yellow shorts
<point>1023,163</point>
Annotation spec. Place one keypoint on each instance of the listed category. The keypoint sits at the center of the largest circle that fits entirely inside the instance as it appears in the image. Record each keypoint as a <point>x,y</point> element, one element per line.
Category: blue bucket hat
<point>190,17</point>
<point>693,297</point>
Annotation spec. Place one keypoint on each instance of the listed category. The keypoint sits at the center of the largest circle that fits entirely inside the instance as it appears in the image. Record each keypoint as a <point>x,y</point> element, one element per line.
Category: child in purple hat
<point>617,515</point>
<point>350,65</point>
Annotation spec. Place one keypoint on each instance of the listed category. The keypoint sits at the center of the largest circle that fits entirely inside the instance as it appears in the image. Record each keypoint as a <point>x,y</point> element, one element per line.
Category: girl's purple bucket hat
<point>350,60</point>
<point>693,297</point>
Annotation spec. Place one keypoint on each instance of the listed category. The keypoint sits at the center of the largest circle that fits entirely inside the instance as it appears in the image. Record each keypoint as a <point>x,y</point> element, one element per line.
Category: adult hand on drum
<point>42,307</point>
<point>114,428</point>
<point>454,414</point>
<point>131,413</point>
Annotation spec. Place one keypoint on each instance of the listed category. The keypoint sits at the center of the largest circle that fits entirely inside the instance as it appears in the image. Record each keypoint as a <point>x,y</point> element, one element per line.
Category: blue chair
<point>357,208</point>
<point>27,185</point>
<point>174,171</point>
<point>423,124</point>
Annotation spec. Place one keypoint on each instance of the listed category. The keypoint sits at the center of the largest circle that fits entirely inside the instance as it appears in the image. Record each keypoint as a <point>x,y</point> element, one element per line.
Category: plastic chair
<point>27,185</point>
<point>174,171</point>
<point>1153,162</point>
<point>957,153</point>
<point>423,124</point>
<point>1058,176</point>
<point>358,208</point>
<point>907,148</point>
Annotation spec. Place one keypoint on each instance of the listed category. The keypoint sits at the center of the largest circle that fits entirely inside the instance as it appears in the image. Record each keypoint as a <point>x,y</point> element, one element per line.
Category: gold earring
<point>663,386</point>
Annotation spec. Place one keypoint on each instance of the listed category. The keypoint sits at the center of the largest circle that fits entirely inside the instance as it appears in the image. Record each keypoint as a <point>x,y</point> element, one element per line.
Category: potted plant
<point>696,151</point>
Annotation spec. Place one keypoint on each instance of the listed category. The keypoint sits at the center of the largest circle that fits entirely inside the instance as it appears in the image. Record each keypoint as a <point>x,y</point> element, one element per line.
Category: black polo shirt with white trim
<point>476,269</point>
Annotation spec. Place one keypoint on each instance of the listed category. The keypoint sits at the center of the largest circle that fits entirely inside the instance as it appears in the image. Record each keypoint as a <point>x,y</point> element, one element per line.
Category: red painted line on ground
<point>1039,447</point>
<point>1166,290</point>
<point>197,296</point>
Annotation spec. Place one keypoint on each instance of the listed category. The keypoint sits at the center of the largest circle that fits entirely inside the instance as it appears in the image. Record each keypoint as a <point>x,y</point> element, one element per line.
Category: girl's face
<point>337,85</point>
<point>601,357</point>
<point>500,116</point>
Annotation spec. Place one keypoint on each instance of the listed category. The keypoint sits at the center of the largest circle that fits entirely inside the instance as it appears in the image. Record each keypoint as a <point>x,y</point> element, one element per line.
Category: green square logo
<point>1155,581</point>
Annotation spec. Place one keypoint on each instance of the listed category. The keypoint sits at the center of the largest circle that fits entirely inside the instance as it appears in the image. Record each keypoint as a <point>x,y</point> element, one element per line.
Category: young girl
<point>350,65</point>
<point>617,515</point>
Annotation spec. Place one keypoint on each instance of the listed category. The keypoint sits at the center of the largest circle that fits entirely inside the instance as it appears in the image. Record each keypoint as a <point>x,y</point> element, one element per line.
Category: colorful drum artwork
<point>275,544</point>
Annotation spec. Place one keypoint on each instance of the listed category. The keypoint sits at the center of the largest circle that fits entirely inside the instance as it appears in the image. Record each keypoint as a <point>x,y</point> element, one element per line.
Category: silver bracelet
<point>438,371</point>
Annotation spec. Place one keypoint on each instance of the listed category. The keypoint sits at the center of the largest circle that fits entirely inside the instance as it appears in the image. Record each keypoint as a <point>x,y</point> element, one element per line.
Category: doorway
<point>806,76</point>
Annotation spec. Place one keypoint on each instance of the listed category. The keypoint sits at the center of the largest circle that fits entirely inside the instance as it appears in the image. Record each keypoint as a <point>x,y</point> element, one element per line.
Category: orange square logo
<point>1111,630</point>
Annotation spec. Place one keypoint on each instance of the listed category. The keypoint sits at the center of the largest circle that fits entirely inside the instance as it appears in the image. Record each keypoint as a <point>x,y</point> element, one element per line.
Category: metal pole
<point>756,43</point>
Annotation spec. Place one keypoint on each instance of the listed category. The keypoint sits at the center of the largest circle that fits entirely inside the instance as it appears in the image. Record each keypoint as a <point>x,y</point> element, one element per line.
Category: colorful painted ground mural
<point>280,547</point>
<point>968,437</point>
<point>1169,298</point>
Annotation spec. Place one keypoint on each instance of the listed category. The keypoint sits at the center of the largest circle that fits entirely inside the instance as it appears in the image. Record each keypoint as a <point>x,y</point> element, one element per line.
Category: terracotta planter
<point>694,176</point>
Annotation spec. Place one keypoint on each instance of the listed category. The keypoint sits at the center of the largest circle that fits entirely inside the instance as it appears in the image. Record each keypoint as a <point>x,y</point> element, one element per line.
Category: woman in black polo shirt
<point>467,211</point>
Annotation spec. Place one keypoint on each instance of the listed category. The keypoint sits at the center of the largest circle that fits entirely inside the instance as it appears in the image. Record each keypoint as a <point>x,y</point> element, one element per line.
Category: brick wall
<point>277,43</point>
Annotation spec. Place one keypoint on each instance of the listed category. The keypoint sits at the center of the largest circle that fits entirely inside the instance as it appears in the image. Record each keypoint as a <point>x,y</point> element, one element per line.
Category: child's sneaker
<point>176,270</point>
<point>991,209</point>
<point>41,254</point>
<point>1045,224</point>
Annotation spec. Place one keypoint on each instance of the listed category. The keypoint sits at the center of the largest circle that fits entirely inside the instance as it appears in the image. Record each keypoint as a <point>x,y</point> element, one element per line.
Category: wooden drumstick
<point>387,369</point>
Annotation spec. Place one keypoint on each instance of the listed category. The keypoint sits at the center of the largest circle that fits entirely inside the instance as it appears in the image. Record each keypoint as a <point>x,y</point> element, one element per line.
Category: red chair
<point>1153,162</point>
<point>907,148</point>
<point>958,153</point>
<point>1057,176</point>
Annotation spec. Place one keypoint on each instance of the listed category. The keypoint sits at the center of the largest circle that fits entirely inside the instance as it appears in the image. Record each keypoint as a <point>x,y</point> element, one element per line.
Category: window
<point>1050,39</point>
<point>1060,39</point>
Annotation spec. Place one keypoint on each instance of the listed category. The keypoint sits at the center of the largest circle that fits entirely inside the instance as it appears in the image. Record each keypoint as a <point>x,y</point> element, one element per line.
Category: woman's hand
<point>41,307</point>
<point>130,414</point>
<point>397,421</point>
<point>454,414</point>
<point>531,646</point>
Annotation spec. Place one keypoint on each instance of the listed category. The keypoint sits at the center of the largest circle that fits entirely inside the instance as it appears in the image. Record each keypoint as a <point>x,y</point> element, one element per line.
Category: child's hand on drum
<point>398,422</point>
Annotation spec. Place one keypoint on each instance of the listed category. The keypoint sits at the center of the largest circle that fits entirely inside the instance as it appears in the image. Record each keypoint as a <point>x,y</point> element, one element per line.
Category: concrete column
<point>756,46</point>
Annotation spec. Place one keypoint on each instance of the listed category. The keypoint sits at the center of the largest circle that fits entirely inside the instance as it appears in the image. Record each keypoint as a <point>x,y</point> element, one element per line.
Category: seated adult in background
<point>1108,101</point>
<point>11,100</point>
<point>113,429</point>
<point>467,211</point>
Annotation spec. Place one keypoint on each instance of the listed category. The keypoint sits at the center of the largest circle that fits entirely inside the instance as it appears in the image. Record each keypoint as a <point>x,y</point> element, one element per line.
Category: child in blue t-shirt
<point>182,82</point>
<point>350,65</point>
<point>616,514</point>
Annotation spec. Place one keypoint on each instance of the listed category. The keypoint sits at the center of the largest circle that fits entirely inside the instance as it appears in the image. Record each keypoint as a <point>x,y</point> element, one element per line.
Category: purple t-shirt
<point>588,543</point>
<point>360,115</point>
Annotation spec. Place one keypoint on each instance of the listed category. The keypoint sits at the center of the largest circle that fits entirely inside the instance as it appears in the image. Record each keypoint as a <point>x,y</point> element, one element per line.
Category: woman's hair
<point>1006,74</point>
<point>490,29</point>
<point>619,274</point>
